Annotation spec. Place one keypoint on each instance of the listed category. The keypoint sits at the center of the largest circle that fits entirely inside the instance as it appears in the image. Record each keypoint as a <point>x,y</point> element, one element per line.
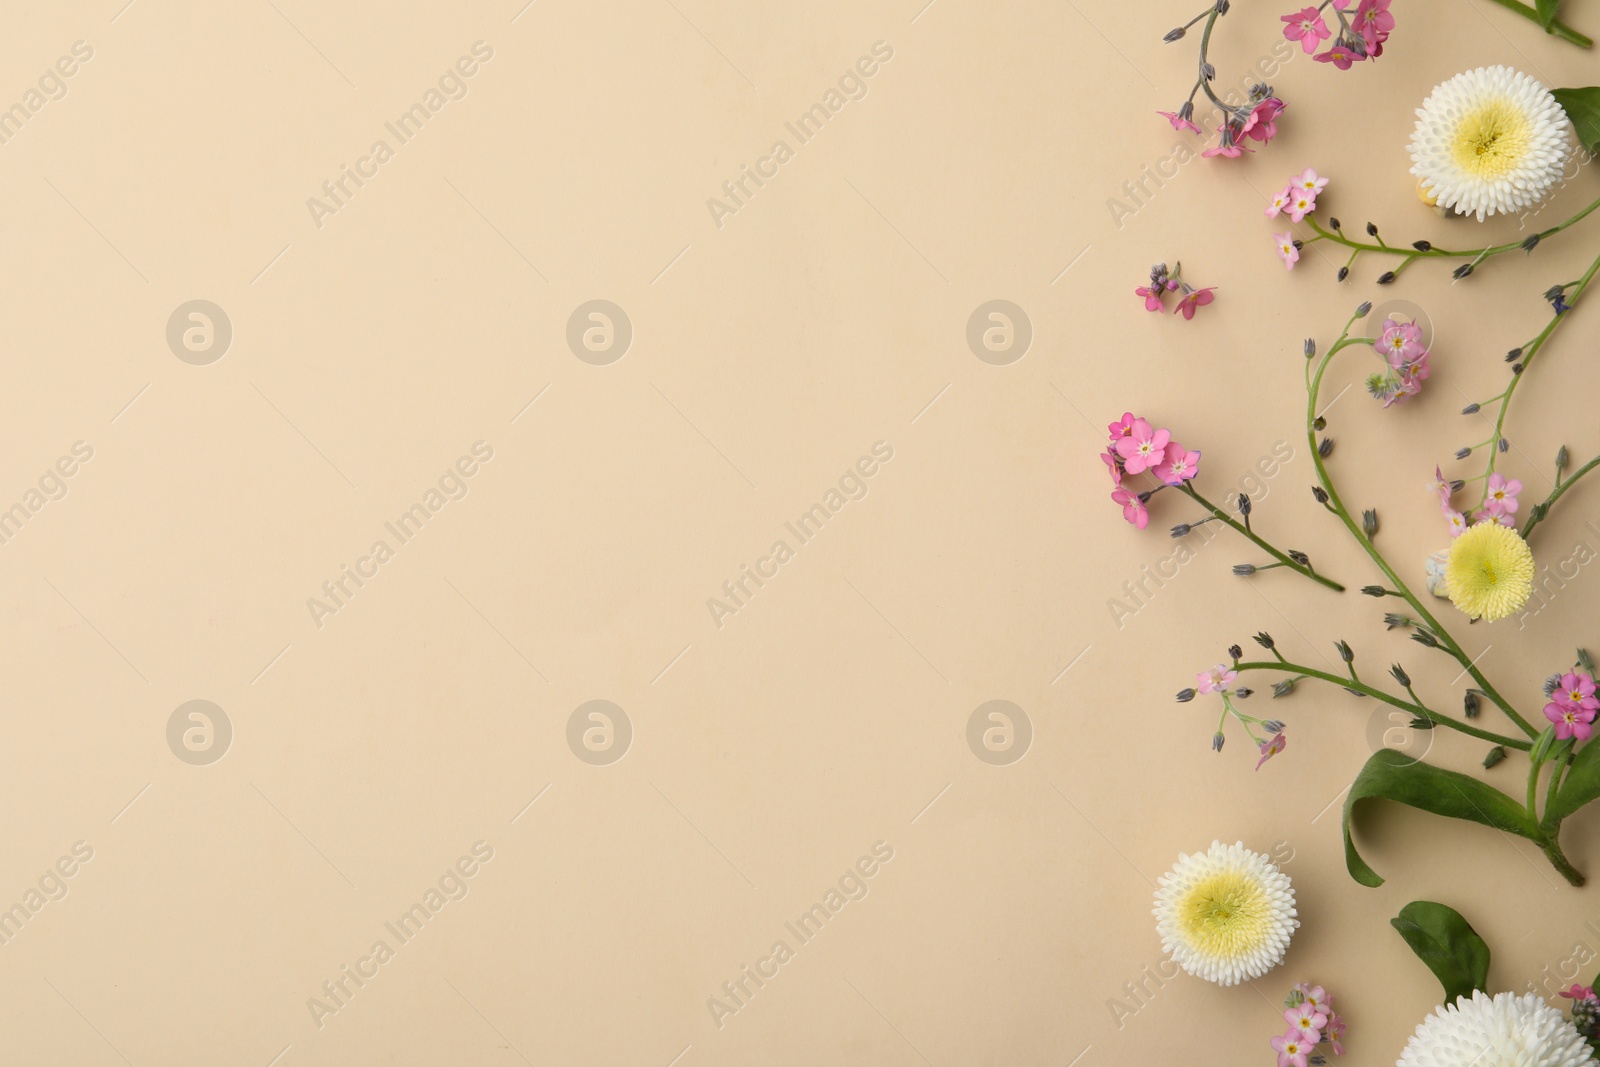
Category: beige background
<point>830,713</point>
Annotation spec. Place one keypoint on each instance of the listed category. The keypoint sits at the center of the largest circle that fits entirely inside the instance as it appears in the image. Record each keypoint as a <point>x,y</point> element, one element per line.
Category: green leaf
<point>1547,11</point>
<point>1392,775</point>
<point>1583,108</point>
<point>1579,787</point>
<point>1448,944</point>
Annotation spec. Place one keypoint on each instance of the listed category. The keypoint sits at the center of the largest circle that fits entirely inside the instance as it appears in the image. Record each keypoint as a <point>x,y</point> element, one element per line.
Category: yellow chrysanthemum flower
<point>1490,571</point>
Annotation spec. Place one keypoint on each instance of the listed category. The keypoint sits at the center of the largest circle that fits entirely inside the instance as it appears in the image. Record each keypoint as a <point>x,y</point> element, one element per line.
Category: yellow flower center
<point>1491,140</point>
<point>1224,915</point>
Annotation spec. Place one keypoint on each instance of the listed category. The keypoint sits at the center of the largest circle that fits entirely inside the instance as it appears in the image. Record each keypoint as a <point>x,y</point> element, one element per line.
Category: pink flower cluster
<point>1298,199</point>
<point>1257,122</point>
<point>1136,448</point>
<point>1360,37</point>
<point>1312,1022</point>
<point>1401,346</point>
<point>1573,705</point>
<point>1499,502</point>
<point>1162,283</point>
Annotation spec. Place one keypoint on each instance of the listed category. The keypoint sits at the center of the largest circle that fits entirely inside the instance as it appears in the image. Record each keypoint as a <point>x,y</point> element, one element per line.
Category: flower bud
<point>1463,453</point>
<point>1425,638</point>
<point>1319,423</point>
<point>1392,621</point>
<point>1422,246</point>
<point>1325,447</point>
<point>1561,458</point>
<point>1243,692</point>
<point>1469,704</point>
<point>1283,688</point>
<point>1244,570</point>
<point>1513,355</point>
<point>1369,522</point>
<point>1372,231</point>
<point>1264,639</point>
<point>1209,71</point>
<point>1175,34</point>
<point>1496,754</point>
<point>1386,277</point>
<point>1181,530</point>
<point>1244,503</point>
<point>1300,557</point>
<point>1554,291</point>
<point>1462,271</point>
<point>1185,695</point>
<point>1272,726</point>
<point>1531,243</point>
<point>1236,652</point>
<point>1310,347</point>
<point>1422,724</point>
<point>1363,308</point>
<point>1344,272</point>
<point>1374,590</point>
<point>1320,493</point>
<point>1505,445</point>
<point>1400,675</point>
<point>1344,651</point>
<point>1217,740</point>
<point>1470,409</point>
<point>1333,223</point>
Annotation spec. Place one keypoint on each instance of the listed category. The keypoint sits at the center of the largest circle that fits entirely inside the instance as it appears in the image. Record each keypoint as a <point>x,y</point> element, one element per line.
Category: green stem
<point>1552,852</point>
<point>1409,255</point>
<point>1282,559</point>
<point>1418,710</point>
<point>1354,527</point>
<point>1529,353</point>
<point>1542,511</point>
<point>1556,28</point>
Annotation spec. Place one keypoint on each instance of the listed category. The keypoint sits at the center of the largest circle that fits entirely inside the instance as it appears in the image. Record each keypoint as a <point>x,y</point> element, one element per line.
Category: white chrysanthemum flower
<point>1225,915</point>
<point>1506,1031</point>
<point>1488,140</point>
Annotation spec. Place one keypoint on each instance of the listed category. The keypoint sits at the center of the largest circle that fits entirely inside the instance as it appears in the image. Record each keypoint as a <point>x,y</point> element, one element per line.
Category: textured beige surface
<point>393,743</point>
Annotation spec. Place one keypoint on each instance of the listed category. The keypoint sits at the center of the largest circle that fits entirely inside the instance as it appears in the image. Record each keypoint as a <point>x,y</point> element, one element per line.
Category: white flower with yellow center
<point>1226,914</point>
<point>1488,140</point>
<point>1503,1031</point>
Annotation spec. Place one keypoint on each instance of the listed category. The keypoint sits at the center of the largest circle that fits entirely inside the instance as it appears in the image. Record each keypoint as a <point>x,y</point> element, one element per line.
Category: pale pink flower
<point>1373,21</point>
<point>1309,181</point>
<point>1301,205</point>
<point>1308,1020</point>
<point>1123,427</point>
<point>1193,300</point>
<point>1340,56</point>
<point>1133,508</point>
<point>1502,498</point>
<point>1262,125</point>
<point>1441,487</point>
<point>1293,1049</point>
<point>1110,456</point>
<point>1457,522</point>
<point>1216,680</point>
<point>1269,749</point>
<point>1400,342</point>
<point>1280,202</point>
<point>1286,249</point>
<point>1577,689</point>
<point>1570,721</point>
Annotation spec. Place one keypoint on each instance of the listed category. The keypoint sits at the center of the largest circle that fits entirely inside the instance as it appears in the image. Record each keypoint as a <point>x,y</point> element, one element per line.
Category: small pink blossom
<point>1293,1049</point>
<point>1286,249</point>
<point>1194,299</point>
<point>1307,1019</point>
<point>1335,1031</point>
<point>1216,680</point>
<point>1133,508</point>
<point>1373,21</point>
<point>1280,202</point>
<point>1262,125</point>
<point>1301,204</point>
<point>1316,997</point>
<point>1309,181</point>
<point>1123,427</point>
<point>1142,449</point>
<point>1179,464</point>
<point>1502,498</point>
<point>1400,342</point>
<point>1577,689</point>
<point>1570,721</point>
<point>1152,296</point>
<point>1179,123</point>
<point>1457,522</point>
<point>1578,992</point>
<point>1307,27</point>
<point>1110,456</point>
<point>1340,56</point>
<point>1228,146</point>
<point>1268,750</point>
<point>1441,487</point>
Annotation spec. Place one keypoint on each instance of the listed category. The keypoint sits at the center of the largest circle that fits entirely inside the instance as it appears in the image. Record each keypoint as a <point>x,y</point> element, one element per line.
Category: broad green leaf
<point>1448,944</point>
<point>1392,775</point>
<point>1547,11</point>
<point>1583,108</point>
<point>1581,785</point>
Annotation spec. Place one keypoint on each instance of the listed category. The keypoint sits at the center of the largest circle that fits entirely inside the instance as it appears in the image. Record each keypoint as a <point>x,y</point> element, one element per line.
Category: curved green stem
<point>1395,582</point>
<point>1529,353</point>
<point>1410,255</point>
<point>1282,559</point>
<point>1541,511</point>
<point>1552,852</point>
<point>1418,710</point>
<point>1557,28</point>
